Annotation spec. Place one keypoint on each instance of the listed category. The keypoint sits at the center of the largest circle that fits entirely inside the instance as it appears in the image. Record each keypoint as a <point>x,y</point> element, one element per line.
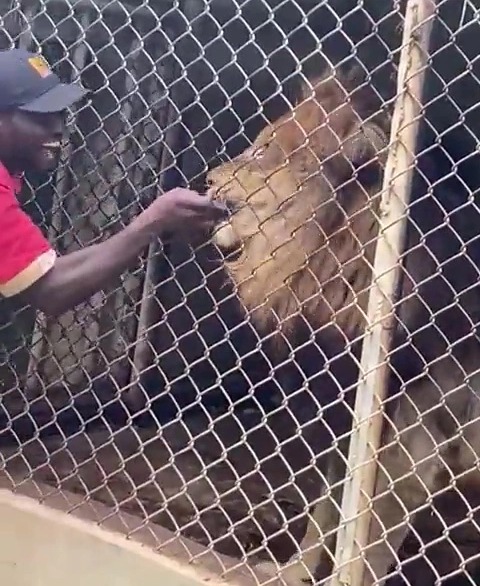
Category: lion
<point>299,245</point>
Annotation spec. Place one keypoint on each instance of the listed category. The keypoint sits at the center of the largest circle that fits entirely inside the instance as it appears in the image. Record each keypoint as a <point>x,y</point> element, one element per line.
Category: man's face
<point>31,141</point>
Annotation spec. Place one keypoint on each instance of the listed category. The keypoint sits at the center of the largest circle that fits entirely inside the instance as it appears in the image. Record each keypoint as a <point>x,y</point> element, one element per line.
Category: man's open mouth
<point>51,149</point>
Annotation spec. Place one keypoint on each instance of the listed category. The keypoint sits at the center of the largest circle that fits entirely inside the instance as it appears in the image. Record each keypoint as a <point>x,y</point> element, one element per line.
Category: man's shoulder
<point>8,182</point>
<point>26,253</point>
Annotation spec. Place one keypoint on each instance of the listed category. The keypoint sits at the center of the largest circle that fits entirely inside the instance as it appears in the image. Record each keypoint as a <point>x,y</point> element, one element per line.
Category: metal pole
<point>373,379</point>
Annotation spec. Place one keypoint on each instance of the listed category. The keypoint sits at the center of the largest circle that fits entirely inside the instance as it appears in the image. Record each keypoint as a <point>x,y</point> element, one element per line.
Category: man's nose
<point>57,125</point>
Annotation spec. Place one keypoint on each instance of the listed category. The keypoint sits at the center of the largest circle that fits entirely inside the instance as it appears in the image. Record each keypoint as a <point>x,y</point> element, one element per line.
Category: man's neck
<point>12,168</point>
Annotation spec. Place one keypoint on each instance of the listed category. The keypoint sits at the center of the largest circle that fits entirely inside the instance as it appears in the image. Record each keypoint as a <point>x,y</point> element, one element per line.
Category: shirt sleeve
<point>26,255</point>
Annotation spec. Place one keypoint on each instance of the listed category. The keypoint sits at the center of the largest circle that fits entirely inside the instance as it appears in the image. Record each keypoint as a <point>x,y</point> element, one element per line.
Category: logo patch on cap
<point>40,65</point>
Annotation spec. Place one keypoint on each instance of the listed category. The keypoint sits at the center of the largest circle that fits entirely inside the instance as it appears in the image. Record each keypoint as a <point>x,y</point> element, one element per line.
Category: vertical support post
<point>149,310</point>
<point>354,528</point>
<point>143,355</point>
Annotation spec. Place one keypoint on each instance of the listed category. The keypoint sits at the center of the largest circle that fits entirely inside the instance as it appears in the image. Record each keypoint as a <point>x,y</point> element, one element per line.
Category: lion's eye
<point>259,152</point>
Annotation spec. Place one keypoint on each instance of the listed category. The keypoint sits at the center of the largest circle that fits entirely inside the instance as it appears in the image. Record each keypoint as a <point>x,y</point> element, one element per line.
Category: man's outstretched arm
<point>60,283</point>
<point>77,276</point>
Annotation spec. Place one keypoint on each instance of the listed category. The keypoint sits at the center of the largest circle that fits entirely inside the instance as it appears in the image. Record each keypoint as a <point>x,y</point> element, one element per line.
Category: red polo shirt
<point>26,255</point>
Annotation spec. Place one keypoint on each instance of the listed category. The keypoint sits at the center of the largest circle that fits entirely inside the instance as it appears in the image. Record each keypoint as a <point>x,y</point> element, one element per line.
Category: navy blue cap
<point>27,83</point>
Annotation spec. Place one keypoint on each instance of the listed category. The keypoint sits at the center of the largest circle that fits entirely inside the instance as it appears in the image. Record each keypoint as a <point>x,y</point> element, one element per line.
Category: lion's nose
<point>211,192</point>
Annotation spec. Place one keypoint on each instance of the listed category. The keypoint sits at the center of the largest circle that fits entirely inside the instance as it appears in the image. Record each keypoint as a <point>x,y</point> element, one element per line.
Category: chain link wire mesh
<point>211,390</point>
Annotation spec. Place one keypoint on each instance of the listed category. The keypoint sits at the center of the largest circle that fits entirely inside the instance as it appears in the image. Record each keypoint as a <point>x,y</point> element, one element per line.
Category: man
<point>33,102</point>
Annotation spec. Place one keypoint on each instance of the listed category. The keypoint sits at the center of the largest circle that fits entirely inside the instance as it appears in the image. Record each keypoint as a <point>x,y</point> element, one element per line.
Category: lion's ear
<point>365,152</point>
<point>306,90</point>
<point>309,86</point>
<point>366,144</point>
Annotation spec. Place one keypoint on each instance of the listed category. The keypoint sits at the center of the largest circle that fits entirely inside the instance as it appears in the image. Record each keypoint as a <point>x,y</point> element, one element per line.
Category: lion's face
<point>291,194</point>
<point>256,186</point>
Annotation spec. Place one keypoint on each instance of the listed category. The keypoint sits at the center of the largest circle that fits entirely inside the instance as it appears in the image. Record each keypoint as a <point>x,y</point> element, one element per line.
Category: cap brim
<point>57,99</point>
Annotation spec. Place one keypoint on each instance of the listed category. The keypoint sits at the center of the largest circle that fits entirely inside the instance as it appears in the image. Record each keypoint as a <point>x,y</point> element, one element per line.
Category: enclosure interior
<point>177,88</point>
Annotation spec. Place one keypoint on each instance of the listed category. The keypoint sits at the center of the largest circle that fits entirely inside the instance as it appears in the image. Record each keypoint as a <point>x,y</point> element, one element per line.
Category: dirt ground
<point>202,480</point>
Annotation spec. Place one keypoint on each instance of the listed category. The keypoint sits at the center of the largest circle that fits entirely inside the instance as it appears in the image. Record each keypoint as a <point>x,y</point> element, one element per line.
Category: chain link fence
<point>211,391</point>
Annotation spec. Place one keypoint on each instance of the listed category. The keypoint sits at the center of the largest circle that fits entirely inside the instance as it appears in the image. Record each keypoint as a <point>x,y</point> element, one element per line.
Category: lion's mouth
<point>223,233</point>
<point>226,240</point>
<point>231,255</point>
<point>231,206</point>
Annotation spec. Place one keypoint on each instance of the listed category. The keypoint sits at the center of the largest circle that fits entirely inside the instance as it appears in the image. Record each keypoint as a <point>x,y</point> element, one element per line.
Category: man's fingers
<point>220,210</point>
<point>211,208</point>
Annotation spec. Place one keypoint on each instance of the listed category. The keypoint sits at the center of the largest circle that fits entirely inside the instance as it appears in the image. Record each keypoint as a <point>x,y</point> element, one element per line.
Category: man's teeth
<point>51,145</point>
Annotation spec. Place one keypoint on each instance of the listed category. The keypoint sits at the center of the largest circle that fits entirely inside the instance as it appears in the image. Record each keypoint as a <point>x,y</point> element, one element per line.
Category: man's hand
<point>76,276</point>
<point>181,211</point>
